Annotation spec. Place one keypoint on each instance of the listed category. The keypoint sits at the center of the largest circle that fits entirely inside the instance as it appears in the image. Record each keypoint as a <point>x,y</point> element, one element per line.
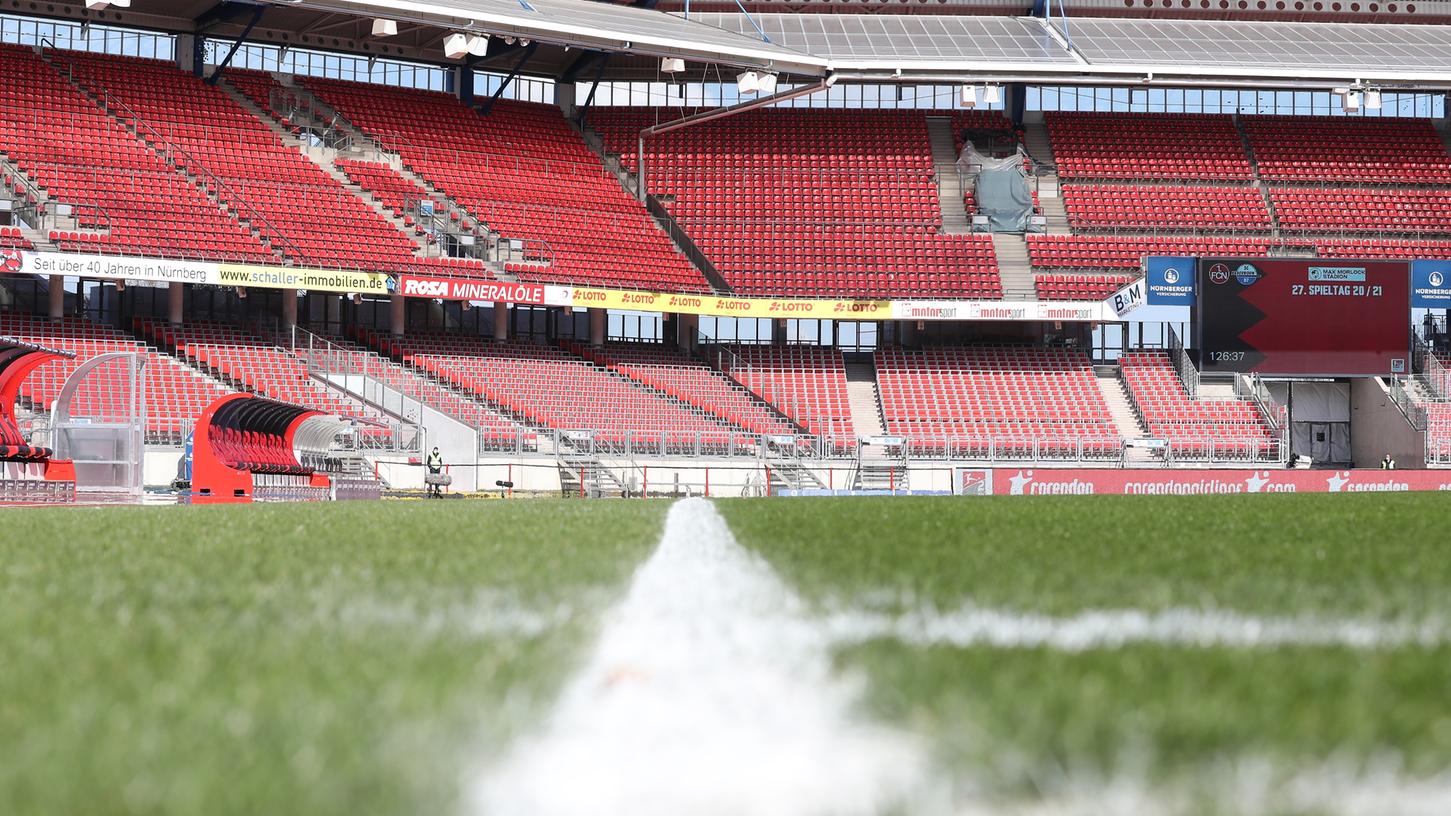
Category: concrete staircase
<point>1014,267</point>
<point>955,219</point>
<point>878,467</point>
<point>1050,196</point>
<point>1258,182</point>
<point>862,395</point>
<point>1125,418</point>
<point>324,159</point>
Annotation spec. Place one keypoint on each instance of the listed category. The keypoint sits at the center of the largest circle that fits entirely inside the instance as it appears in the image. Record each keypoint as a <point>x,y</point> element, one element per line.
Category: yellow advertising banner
<point>725,306</point>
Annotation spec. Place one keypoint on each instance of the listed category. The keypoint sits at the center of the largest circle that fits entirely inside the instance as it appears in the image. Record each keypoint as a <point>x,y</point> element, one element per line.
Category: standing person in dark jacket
<point>435,470</point>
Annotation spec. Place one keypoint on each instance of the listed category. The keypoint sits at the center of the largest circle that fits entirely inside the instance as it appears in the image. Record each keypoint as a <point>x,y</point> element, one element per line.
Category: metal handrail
<point>107,100</point>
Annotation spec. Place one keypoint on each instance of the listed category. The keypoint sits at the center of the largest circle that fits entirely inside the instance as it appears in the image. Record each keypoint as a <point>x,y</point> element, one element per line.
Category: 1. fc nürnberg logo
<point>1219,273</point>
<point>11,260</point>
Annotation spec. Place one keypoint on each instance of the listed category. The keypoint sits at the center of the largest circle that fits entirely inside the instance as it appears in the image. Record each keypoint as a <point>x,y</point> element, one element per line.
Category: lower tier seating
<point>1192,426</point>
<point>689,380</point>
<point>971,400</point>
<point>1410,249</point>
<point>495,429</point>
<point>253,362</point>
<point>806,383</point>
<point>1128,252</point>
<point>175,394</point>
<point>548,387</point>
<point>1079,287</point>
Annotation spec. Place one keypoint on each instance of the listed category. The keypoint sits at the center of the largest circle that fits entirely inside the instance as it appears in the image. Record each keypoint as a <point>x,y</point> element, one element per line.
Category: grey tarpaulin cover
<point>1000,188</point>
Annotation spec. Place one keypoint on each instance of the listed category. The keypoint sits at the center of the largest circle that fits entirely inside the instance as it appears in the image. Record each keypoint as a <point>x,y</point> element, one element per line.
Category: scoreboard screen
<point>1304,316</point>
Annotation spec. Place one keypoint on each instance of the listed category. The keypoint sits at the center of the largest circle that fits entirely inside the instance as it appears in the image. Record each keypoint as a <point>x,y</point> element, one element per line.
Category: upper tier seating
<point>320,222</point>
<point>128,200</point>
<point>792,201</point>
<point>995,122</point>
<point>385,184</point>
<point>175,394</point>
<point>1352,149</point>
<point>1147,146</point>
<point>1228,427</point>
<point>972,401</point>
<point>1412,210</point>
<point>261,366</point>
<point>1128,252</point>
<point>1165,207</point>
<point>548,387</point>
<point>263,90</point>
<point>522,171</point>
<point>687,379</point>
<point>806,383</point>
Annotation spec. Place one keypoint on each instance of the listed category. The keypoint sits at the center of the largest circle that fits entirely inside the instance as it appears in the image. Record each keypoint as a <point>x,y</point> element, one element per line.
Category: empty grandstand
<point>780,242</point>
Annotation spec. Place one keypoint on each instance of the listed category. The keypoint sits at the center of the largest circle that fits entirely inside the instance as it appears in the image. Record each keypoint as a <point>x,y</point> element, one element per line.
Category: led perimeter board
<point>1303,316</point>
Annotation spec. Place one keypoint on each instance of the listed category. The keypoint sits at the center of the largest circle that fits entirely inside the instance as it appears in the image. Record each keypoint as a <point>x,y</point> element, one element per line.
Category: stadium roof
<point>1100,49</point>
<point>864,47</point>
<point>587,24</point>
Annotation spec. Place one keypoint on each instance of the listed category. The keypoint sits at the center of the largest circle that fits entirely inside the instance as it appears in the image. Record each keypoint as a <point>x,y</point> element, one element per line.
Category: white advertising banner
<point>117,267</point>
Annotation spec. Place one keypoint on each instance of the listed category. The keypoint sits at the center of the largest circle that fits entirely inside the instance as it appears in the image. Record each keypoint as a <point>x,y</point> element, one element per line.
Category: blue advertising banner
<point>1170,279</point>
<point>1431,284</point>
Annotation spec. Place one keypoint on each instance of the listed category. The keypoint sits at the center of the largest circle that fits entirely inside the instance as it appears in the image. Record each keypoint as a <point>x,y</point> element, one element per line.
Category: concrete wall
<point>1378,427</point>
<point>457,442</point>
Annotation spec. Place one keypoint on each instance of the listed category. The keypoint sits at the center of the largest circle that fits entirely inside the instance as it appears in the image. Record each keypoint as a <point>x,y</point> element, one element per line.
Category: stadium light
<point>672,65</point>
<point>385,28</point>
<point>748,82</point>
<point>1372,100</point>
<point>97,5</point>
<point>1350,103</point>
<point>992,94</point>
<point>768,84</point>
<point>455,46</point>
<point>968,98</point>
<point>479,45</point>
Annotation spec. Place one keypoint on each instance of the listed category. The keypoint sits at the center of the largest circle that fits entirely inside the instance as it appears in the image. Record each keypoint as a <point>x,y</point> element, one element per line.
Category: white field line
<point>1099,629</point>
<point>710,691</point>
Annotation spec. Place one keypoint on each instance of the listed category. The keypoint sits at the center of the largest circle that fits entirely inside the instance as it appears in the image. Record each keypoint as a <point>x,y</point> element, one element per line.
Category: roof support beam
<point>594,86</point>
<point>223,12</point>
<point>257,12</point>
<point>518,66</point>
<point>586,60</point>
<point>721,113</point>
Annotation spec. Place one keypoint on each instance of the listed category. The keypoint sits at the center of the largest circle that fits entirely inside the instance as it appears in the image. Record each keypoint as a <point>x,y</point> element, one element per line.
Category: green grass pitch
<point>363,658</point>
